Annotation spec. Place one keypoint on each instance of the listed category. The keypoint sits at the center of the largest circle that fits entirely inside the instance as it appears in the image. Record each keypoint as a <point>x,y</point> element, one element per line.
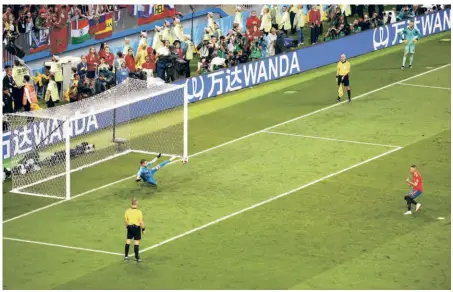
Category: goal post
<point>51,147</point>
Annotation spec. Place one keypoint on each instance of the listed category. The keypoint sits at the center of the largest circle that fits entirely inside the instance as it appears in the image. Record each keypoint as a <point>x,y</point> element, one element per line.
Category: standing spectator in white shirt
<point>299,24</point>
<point>285,23</point>
<point>271,41</point>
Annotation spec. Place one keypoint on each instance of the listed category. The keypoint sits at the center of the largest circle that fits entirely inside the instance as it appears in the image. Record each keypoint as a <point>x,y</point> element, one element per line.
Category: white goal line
<point>332,139</point>
<point>233,141</point>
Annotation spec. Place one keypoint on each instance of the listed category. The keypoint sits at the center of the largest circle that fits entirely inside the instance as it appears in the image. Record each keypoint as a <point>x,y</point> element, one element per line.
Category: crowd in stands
<point>265,34</point>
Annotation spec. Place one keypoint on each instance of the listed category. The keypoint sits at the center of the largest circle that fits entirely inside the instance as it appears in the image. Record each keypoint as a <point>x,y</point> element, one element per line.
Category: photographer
<point>355,27</point>
<point>331,34</point>
<point>203,49</point>
<point>376,21</point>
<point>365,23</point>
<point>84,88</point>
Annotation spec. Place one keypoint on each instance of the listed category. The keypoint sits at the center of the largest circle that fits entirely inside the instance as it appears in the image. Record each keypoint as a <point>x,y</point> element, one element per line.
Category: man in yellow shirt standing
<point>135,226</point>
<point>342,77</point>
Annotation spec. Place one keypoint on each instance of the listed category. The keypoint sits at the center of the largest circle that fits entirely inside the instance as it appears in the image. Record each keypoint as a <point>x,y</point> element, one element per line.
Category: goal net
<point>50,146</point>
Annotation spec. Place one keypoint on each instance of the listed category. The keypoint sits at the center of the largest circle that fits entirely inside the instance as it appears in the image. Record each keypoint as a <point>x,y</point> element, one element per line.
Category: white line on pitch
<point>332,139</point>
<point>426,86</point>
<point>63,246</point>
<point>269,200</point>
<point>237,139</point>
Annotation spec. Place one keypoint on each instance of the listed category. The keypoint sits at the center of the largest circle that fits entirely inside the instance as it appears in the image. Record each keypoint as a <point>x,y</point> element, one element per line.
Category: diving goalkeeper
<point>146,173</point>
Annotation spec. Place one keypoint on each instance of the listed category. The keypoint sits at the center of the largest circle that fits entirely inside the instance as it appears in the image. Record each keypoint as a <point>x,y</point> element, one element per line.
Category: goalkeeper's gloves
<point>159,155</point>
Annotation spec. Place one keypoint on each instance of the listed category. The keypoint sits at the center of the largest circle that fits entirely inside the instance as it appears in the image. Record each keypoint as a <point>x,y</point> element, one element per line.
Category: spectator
<point>18,74</point>
<point>29,97</point>
<point>109,57</point>
<point>177,48</point>
<point>142,52</point>
<point>266,21</point>
<point>143,41</point>
<point>255,49</point>
<point>315,22</point>
<point>230,59</point>
<point>263,44</point>
<point>166,33</point>
<point>126,46</point>
<point>299,23</point>
<point>218,31</point>
<point>157,39</point>
<point>149,66</point>
<point>271,42</point>
<point>238,17</point>
<point>178,29</point>
<point>337,17</point>
<point>163,55</point>
<point>101,84</point>
<point>82,67</point>
<point>119,60</point>
<point>122,73</point>
<point>188,53</point>
<point>293,9</point>
<point>103,65</point>
<point>252,20</point>
<point>276,16</point>
<point>57,70</point>
<point>8,85</point>
<point>130,60</point>
<point>29,26</point>
<point>73,90</point>
<point>93,62</point>
<point>211,23</point>
<point>52,92</point>
<point>152,57</point>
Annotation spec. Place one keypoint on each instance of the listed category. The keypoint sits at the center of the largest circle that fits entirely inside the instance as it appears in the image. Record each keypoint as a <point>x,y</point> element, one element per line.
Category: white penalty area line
<point>425,86</point>
<point>62,246</point>
<point>332,139</point>
<point>234,140</point>
<point>270,200</point>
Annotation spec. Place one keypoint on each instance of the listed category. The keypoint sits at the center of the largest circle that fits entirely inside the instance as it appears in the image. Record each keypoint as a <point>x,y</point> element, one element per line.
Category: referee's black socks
<point>126,250</point>
<point>349,94</point>
<point>136,251</point>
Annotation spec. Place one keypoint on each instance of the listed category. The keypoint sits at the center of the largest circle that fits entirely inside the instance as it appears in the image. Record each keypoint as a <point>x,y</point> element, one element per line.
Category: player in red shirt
<point>417,189</point>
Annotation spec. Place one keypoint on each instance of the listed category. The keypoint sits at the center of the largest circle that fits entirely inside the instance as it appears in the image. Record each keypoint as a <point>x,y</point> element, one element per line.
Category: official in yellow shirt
<point>135,226</point>
<point>343,70</point>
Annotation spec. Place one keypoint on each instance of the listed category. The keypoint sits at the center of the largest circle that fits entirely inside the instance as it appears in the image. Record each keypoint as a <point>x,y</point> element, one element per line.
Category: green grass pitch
<point>315,203</point>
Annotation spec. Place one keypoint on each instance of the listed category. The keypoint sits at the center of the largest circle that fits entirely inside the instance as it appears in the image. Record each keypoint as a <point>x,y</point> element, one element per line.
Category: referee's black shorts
<point>134,232</point>
<point>345,81</point>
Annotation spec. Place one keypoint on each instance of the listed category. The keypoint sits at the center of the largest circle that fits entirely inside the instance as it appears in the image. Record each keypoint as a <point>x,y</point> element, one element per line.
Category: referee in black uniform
<point>135,226</point>
<point>343,70</point>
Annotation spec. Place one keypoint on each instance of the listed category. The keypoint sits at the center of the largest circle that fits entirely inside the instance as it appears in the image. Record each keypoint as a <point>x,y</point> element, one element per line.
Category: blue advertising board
<point>239,77</point>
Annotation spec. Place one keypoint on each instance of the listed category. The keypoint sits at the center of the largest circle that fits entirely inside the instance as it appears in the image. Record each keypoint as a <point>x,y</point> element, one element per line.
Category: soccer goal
<point>49,146</point>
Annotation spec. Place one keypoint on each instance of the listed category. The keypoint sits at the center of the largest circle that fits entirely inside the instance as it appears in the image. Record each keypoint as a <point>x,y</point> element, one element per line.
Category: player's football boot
<point>417,207</point>
<point>126,258</point>
<point>402,67</point>
<point>138,260</point>
<point>408,213</point>
<point>410,66</point>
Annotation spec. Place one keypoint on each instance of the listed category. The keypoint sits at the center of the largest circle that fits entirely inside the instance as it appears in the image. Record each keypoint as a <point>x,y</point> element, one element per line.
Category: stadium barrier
<point>250,74</point>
